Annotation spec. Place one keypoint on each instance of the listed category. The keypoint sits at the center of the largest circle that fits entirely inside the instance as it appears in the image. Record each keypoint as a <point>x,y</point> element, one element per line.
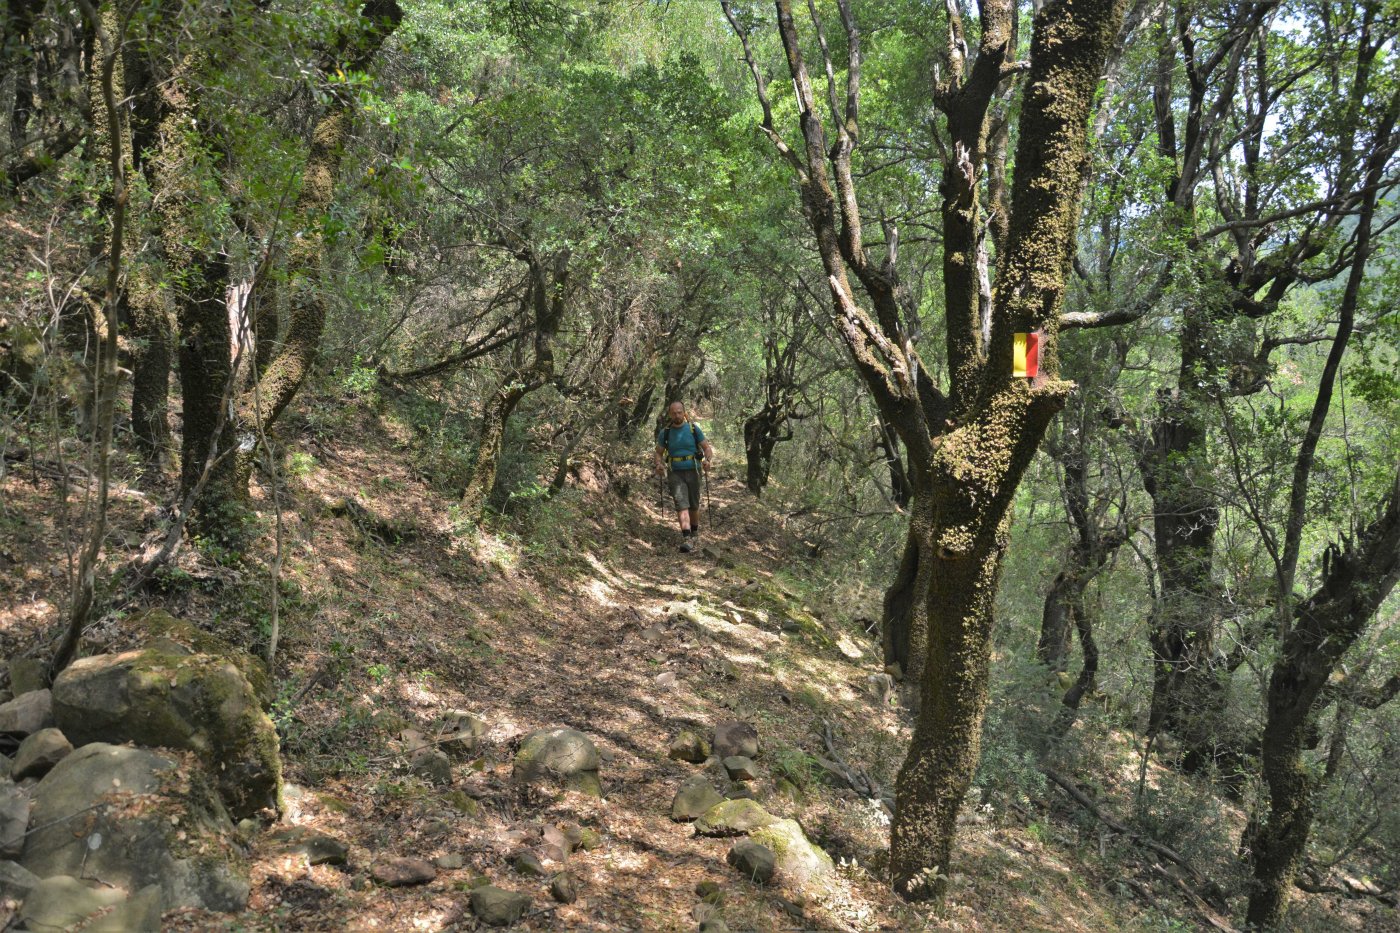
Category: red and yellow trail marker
<point>1025,354</point>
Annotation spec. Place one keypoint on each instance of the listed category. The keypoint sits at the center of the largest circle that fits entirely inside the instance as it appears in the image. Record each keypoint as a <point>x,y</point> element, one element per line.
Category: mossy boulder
<point>797,860</point>
<point>134,818</point>
<point>160,630</point>
<point>198,702</point>
<point>733,818</point>
<point>694,799</point>
<point>559,755</point>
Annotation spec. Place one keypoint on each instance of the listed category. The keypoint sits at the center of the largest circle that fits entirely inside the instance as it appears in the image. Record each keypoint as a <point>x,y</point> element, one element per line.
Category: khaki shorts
<point>685,488</point>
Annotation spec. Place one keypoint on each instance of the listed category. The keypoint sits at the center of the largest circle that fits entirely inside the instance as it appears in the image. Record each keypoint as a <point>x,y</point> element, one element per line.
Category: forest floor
<point>395,613</point>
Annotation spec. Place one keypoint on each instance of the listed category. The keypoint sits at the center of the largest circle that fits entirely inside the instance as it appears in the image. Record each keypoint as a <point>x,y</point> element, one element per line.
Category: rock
<point>799,861</point>
<point>666,680</point>
<point>7,766</point>
<point>460,730</point>
<point>402,872</point>
<point>165,632</point>
<point>63,903</point>
<point>318,847</point>
<point>198,702</point>
<point>752,860</point>
<point>39,752</point>
<point>583,837</point>
<point>563,889</point>
<point>880,688</point>
<point>895,671</point>
<point>714,925</point>
<point>27,675</point>
<point>555,843</point>
<point>158,820</point>
<point>497,907</point>
<point>740,768</point>
<point>736,738</point>
<point>16,881</point>
<point>733,818</point>
<point>694,799</point>
<point>452,861</point>
<point>528,864</point>
<point>27,714</point>
<point>432,764</point>
<point>710,891</point>
<point>14,819</point>
<point>140,911</point>
<point>689,746</point>
<point>703,911</point>
<point>559,755</point>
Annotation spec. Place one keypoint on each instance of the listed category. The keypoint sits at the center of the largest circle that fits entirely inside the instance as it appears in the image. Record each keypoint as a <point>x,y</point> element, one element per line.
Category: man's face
<point>676,413</point>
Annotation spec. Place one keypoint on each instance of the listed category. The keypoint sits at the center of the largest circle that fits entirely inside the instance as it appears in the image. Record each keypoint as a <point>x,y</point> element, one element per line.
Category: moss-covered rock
<point>134,818</point>
<point>198,702</point>
<point>559,755</point>
<point>798,861</point>
<point>733,818</point>
<point>160,630</point>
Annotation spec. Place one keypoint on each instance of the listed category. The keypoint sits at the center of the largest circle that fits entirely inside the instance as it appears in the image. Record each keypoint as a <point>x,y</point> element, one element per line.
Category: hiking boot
<point>687,546</point>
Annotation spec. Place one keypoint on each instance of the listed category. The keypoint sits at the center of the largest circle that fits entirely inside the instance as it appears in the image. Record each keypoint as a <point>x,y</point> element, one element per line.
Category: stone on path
<point>714,925</point>
<point>27,675</point>
<point>451,861</point>
<point>498,907</point>
<point>16,881</point>
<point>666,680</point>
<point>689,746</point>
<point>402,872</point>
<point>38,754</point>
<point>461,730</point>
<point>753,861</point>
<point>318,847</point>
<point>733,818</point>
<point>734,737</point>
<point>528,864</point>
<point>431,764</point>
<point>695,797</point>
<point>555,843</point>
<point>27,713</point>
<point>740,768</point>
<point>559,755</point>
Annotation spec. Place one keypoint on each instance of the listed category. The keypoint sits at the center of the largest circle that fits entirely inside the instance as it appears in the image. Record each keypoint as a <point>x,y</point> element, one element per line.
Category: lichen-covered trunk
<point>1057,620</point>
<point>1279,843</point>
<point>488,451</point>
<point>904,622</point>
<point>1187,691</point>
<point>152,333</point>
<point>206,454</point>
<point>761,435</point>
<point>947,740</point>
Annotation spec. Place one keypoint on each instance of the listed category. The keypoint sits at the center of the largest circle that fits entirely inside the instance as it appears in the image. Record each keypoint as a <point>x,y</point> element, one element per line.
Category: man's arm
<point>709,455</point>
<point>660,458</point>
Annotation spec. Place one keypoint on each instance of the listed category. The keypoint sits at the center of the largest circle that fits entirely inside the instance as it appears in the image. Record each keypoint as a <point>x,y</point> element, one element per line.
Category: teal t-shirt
<point>682,442</point>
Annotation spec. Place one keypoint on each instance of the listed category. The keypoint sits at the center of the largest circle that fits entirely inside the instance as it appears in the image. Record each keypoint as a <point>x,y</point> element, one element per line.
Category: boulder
<point>14,819</point>
<point>460,730</point>
<point>714,925</point>
<point>27,675</point>
<point>753,861</point>
<point>135,817</point>
<point>555,844</point>
<point>528,864</point>
<point>431,764</point>
<point>63,903</point>
<point>563,889</point>
<point>740,768</point>
<point>164,632</point>
<point>402,872</point>
<point>733,818</point>
<point>736,738</point>
<point>318,847</point>
<point>497,907</point>
<point>689,746</point>
<point>16,881</point>
<point>694,799</point>
<point>559,755</point>
<point>798,861</point>
<point>199,702</point>
<point>38,754</point>
<point>140,911</point>
<point>28,713</point>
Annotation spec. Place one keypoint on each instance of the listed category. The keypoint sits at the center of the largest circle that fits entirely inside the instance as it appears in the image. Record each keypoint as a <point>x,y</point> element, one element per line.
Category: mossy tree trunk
<point>969,448</point>
<point>546,296</point>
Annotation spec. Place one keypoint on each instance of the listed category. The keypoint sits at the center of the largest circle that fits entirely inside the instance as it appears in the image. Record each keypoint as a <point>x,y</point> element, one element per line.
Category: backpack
<point>694,434</point>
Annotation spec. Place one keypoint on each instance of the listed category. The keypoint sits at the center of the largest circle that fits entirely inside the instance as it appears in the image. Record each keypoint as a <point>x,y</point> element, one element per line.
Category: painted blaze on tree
<point>970,442</point>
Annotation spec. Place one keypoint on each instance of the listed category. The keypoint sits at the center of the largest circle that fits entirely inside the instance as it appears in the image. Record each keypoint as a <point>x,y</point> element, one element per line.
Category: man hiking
<point>681,454</point>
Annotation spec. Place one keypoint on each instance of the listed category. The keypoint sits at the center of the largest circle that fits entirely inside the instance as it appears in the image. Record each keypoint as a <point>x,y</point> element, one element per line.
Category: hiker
<point>681,454</point>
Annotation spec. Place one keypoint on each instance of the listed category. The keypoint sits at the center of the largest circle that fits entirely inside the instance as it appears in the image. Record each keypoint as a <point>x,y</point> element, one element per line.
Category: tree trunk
<point>904,626</point>
<point>1056,622</point>
<point>488,451</point>
<point>152,335</point>
<point>761,435</point>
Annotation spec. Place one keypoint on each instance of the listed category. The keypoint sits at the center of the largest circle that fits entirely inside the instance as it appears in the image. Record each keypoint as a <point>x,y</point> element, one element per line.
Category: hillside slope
<point>578,613</point>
